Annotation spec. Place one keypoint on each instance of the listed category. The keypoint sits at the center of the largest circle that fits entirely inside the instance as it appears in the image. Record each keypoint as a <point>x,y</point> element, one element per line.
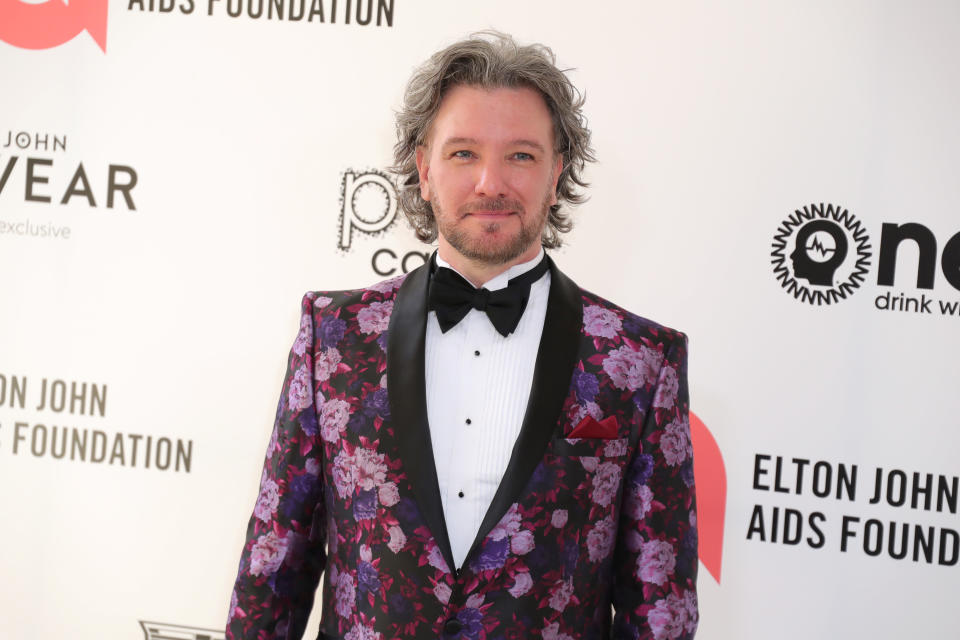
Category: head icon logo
<point>52,23</point>
<point>829,250</point>
<point>819,248</point>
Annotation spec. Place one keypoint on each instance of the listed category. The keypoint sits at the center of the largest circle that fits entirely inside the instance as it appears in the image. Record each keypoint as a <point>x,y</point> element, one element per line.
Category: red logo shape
<point>710,477</point>
<point>47,25</point>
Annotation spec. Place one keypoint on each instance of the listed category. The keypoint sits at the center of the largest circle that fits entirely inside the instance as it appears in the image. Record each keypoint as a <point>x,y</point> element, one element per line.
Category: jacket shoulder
<point>330,302</point>
<point>597,310</point>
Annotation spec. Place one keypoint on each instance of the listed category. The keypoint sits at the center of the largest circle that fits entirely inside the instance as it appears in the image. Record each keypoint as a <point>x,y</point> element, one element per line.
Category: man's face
<point>490,173</point>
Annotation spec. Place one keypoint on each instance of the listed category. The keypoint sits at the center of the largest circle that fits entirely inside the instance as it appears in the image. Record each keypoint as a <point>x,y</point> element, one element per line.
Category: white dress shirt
<point>478,384</point>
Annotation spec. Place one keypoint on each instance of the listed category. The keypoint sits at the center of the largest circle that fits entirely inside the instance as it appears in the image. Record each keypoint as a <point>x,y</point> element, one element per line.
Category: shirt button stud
<point>476,353</point>
<point>452,627</point>
<point>460,494</point>
<point>469,421</point>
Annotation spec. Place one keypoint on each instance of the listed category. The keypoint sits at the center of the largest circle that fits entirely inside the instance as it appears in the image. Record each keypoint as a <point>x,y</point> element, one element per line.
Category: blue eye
<point>521,155</point>
<point>461,154</point>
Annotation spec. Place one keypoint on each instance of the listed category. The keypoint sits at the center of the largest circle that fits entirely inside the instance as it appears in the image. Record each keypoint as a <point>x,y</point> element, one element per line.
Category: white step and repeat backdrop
<point>776,179</point>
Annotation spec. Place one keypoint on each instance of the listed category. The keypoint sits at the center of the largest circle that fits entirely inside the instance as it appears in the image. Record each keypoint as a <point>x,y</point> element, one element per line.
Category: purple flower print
<point>306,328</point>
<point>322,301</point>
<point>675,442</point>
<point>345,595</point>
<point>656,561</point>
<point>435,558</point>
<point>606,481</point>
<point>600,539</point>
<point>401,608</point>
<point>333,419</point>
<point>666,396</point>
<point>552,632</point>
<point>377,403</point>
<point>365,505</point>
<point>629,369</point>
<point>443,592</point>
<point>389,494</point>
<point>300,396</point>
<point>642,469</point>
<point>301,488</point>
<point>375,318</point>
<point>472,621</point>
<point>586,385</point>
<point>492,555</point>
<point>267,554</point>
<point>267,500</point>
<point>367,577</point>
<point>331,331</point>
<point>600,322</point>
<point>388,285</point>
<point>639,501</point>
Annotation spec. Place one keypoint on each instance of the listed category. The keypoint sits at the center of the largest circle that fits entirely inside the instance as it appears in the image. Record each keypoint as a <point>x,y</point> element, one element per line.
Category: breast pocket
<point>588,447</point>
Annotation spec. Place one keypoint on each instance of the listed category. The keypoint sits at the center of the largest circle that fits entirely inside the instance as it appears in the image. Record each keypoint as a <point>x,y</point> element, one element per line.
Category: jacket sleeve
<point>283,555</point>
<point>654,591</point>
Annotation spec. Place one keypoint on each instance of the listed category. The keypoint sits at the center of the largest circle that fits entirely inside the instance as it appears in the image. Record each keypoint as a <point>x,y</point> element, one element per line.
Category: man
<point>480,449</point>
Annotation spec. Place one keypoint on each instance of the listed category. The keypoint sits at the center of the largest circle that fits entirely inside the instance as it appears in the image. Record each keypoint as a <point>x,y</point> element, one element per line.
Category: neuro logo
<point>46,24</point>
<point>821,254</point>
<point>368,204</point>
<point>163,631</point>
<point>710,478</point>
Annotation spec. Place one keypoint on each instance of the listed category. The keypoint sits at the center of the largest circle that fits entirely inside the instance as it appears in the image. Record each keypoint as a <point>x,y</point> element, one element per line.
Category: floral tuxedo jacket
<point>349,487</point>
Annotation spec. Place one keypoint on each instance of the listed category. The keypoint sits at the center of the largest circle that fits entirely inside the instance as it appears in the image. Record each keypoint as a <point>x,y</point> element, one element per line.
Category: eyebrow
<point>523,142</point>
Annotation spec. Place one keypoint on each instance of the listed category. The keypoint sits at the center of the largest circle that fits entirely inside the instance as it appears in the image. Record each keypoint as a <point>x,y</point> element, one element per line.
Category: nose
<point>491,182</point>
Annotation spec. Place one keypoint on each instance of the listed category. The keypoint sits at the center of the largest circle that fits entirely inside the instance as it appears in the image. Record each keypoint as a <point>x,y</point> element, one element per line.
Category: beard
<point>484,246</point>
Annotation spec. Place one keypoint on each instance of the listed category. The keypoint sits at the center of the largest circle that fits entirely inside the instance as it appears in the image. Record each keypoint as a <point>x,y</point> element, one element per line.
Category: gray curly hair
<point>491,60</point>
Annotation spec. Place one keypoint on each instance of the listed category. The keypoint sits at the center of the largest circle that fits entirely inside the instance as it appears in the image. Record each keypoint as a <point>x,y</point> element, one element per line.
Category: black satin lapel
<point>406,389</point>
<point>556,358</point>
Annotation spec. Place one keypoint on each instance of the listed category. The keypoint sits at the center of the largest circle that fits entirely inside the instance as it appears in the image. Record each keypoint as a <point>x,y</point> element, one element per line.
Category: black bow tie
<point>452,297</point>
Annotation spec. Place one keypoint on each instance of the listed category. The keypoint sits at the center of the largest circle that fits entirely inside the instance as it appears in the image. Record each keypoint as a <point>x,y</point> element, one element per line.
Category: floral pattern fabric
<point>600,521</point>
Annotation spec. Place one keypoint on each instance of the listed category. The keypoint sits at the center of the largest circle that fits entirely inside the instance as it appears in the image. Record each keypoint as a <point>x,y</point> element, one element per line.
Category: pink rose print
<point>435,558</point>
<point>397,539</point>
<point>343,475</point>
<point>629,369</point>
<point>443,592</point>
<point>656,561</point>
<point>333,419</point>
<point>560,594</point>
<point>326,364</point>
<point>322,301</point>
<point>552,632</point>
<point>345,595</point>
<point>600,322</point>
<point>300,396</point>
<point>362,632</point>
<point>376,317</point>
<point>267,554</point>
<point>666,396</point>
<point>389,494</point>
<point>672,616</point>
<point>388,285</point>
<point>371,470</point>
<point>600,539</point>
<point>267,501</point>
<point>589,462</point>
<point>509,524</point>
<point>559,518</point>
<point>675,442</point>
<point>312,466</point>
<point>615,448</point>
<point>306,328</point>
<point>638,506</point>
<point>475,601</point>
<point>580,411</point>
<point>521,584</point>
<point>605,483</point>
<point>522,543</point>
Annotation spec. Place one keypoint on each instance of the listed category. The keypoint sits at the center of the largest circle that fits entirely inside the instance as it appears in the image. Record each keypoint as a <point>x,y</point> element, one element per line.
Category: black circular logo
<point>821,254</point>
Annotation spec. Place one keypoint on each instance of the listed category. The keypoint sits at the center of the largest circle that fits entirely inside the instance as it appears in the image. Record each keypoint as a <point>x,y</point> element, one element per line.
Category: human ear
<point>423,168</point>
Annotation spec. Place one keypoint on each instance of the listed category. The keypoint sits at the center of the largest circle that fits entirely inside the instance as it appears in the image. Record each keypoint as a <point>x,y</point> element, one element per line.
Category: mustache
<point>491,204</point>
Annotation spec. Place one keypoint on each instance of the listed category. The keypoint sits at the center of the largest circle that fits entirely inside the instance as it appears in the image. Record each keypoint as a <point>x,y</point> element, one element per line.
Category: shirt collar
<point>499,281</point>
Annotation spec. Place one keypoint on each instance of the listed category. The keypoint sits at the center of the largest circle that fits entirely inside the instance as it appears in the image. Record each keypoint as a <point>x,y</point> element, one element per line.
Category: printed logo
<point>163,631</point>
<point>821,254</point>
<point>50,23</point>
<point>710,478</point>
<point>369,203</point>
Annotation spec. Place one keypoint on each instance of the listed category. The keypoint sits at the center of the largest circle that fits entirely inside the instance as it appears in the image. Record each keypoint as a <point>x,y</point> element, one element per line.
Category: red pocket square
<point>590,428</point>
